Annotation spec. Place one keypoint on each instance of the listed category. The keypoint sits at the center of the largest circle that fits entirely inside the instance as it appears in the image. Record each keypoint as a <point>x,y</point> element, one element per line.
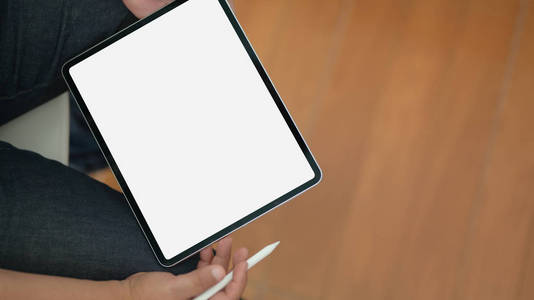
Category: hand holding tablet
<point>191,125</point>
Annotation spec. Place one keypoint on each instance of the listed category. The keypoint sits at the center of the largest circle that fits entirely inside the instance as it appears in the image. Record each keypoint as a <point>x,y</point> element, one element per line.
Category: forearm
<point>17,285</point>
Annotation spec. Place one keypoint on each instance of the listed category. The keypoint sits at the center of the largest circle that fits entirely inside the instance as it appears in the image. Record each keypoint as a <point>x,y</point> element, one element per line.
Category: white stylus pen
<point>256,258</point>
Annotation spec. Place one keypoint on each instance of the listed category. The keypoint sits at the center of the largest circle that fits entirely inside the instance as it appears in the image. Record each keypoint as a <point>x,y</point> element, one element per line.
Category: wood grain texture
<point>420,113</point>
<point>500,244</point>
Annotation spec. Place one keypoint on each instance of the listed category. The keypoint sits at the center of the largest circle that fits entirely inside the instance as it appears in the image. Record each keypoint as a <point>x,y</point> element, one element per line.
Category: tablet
<point>191,125</point>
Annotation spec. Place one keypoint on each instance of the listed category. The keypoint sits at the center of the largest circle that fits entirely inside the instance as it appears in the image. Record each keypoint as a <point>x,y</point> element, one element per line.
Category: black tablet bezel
<point>107,154</point>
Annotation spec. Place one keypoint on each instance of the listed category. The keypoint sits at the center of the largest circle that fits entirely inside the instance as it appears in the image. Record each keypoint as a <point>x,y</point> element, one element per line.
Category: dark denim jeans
<point>37,37</point>
<point>53,219</point>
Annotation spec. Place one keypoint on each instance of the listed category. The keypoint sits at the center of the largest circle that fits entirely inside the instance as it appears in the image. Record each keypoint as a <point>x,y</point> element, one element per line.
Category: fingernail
<point>217,273</point>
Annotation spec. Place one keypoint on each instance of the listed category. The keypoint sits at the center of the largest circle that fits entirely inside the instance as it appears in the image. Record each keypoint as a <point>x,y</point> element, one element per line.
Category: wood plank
<point>429,112</point>
<point>106,176</point>
<point>499,263</point>
<point>313,236</point>
<point>262,22</point>
<point>303,54</point>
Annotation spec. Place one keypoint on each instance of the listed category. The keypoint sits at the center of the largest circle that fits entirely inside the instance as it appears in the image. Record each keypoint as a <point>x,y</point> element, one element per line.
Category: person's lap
<point>55,220</point>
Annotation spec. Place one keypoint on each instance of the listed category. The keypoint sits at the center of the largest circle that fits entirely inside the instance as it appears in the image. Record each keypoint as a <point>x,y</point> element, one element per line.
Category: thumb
<point>196,282</point>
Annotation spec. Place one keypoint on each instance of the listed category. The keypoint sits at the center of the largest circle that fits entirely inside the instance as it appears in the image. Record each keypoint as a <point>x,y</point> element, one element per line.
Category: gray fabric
<point>55,220</point>
<point>37,37</point>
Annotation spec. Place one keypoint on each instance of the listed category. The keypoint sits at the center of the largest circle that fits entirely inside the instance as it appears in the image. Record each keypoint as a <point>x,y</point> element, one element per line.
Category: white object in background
<point>44,129</point>
<point>256,258</point>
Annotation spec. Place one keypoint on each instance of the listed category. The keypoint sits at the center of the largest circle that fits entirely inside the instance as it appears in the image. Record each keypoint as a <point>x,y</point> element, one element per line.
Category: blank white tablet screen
<point>191,125</point>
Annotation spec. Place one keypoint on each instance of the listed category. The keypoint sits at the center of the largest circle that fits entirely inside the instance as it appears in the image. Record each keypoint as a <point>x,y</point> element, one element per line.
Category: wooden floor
<point>421,115</point>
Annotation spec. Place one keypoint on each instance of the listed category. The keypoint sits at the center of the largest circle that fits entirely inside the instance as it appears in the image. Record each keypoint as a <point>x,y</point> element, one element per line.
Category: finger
<point>206,255</point>
<point>194,283</point>
<point>236,287</point>
<point>222,255</point>
<point>239,256</point>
